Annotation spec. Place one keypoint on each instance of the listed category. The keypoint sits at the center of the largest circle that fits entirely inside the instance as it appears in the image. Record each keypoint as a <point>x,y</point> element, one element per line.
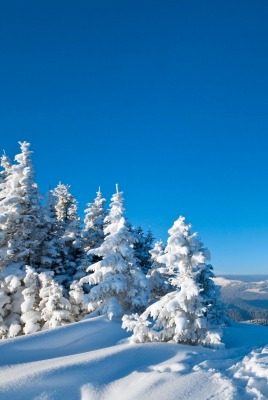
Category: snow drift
<point>93,360</point>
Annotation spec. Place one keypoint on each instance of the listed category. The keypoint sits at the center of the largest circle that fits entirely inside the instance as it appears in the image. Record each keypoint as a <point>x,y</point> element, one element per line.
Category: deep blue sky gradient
<point>167,98</point>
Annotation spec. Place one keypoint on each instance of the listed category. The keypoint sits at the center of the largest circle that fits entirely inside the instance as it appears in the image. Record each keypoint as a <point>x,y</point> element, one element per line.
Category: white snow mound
<point>93,360</point>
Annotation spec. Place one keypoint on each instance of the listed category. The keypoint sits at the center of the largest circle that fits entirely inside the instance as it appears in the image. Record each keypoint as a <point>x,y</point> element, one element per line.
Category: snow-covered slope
<point>91,360</point>
<point>246,300</point>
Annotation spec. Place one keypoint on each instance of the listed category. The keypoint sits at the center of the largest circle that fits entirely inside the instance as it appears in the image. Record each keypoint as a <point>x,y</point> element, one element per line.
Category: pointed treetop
<point>24,158</point>
<point>5,161</point>
<point>62,186</point>
<point>99,194</point>
<point>65,204</point>
<point>116,186</point>
<point>24,146</point>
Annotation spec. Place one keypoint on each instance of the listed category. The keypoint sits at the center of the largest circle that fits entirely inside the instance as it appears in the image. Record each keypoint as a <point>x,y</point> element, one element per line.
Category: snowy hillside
<point>91,360</point>
<point>55,271</point>
<point>246,300</point>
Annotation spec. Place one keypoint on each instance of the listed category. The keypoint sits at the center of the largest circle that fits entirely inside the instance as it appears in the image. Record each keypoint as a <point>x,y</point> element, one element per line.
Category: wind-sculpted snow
<point>93,360</point>
<point>252,371</point>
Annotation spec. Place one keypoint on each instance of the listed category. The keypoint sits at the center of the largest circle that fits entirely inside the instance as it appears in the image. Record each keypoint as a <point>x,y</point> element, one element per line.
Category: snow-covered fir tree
<point>55,309</point>
<point>216,312</point>
<point>203,273</point>
<point>180,315</point>
<point>21,214</point>
<point>93,231</point>
<point>142,247</point>
<point>4,308</point>
<point>6,165</point>
<point>30,314</point>
<point>158,275</point>
<point>65,237</point>
<point>77,300</point>
<point>50,251</point>
<point>118,284</point>
<point>95,213</point>
<point>13,289</point>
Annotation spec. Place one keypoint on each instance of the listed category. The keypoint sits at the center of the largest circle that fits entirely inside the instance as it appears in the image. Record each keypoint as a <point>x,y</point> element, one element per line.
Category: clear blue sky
<point>167,98</point>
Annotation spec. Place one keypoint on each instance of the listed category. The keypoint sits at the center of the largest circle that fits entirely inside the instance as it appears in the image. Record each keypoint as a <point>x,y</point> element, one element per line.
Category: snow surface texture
<point>93,360</point>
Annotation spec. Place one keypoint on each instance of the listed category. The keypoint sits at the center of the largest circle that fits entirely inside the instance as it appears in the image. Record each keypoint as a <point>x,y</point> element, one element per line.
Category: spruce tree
<point>142,248</point>
<point>216,312</point>
<point>6,165</point>
<point>77,300</point>
<point>65,234</point>
<point>181,315</point>
<point>118,284</point>
<point>4,308</point>
<point>12,320</point>
<point>55,309</point>
<point>158,275</point>
<point>51,249</point>
<point>30,314</point>
<point>93,232</point>
<point>20,215</point>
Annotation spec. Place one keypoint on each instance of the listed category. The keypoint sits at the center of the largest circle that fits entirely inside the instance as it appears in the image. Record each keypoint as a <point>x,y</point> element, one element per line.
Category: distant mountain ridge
<point>246,278</point>
<point>246,297</point>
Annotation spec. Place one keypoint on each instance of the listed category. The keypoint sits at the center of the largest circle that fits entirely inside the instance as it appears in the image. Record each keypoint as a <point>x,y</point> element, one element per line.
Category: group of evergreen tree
<point>56,269</point>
